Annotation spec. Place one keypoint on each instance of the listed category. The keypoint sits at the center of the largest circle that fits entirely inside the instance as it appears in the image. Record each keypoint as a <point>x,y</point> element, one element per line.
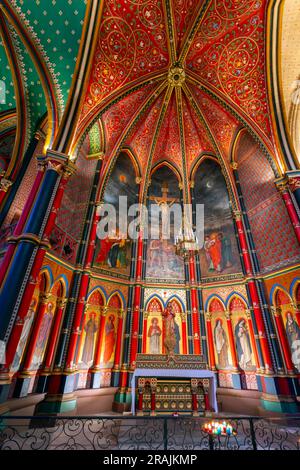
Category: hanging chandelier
<point>186,242</point>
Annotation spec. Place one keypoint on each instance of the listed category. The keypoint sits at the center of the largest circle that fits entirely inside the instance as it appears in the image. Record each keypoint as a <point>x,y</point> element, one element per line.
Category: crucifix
<point>164,199</point>
<point>164,202</point>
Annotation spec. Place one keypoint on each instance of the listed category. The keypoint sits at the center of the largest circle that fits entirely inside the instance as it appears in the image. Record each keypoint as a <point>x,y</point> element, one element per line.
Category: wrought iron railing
<point>140,433</point>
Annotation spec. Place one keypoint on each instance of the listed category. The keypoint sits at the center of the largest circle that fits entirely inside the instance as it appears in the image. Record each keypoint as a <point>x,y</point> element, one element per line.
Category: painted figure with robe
<point>88,348</point>
<point>43,336</point>
<point>221,344</point>
<point>24,335</point>
<point>293,334</point>
<point>243,344</point>
<point>170,330</point>
<point>154,333</point>
<point>110,339</point>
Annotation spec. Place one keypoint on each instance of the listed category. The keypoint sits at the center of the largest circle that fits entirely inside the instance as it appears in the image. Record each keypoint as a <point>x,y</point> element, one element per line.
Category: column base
<point>60,398</point>
<point>236,381</point>
<point>4,391</point>
<point>22,386</point>
<point>42,383</point>
<point>115,378</point>
<point>122,401</point>
<point>279,404</point>
<point>95,381</point>
<point>56,404</point>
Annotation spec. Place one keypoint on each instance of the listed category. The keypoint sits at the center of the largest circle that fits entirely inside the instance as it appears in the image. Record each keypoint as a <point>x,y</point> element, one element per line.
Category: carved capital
<point>5,184</point>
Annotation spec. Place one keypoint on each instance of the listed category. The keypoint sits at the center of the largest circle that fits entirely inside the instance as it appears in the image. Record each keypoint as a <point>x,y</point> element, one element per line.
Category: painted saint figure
<point>293,335</point>
<point>110,339</point>
<point>42,337</point>
<point>221,344</point>
<point>24,336</point>
<point>88,348</point>
<point>243,344</point>
<point>215,252</point>
<point>154,333</point>
<point>170,336</point>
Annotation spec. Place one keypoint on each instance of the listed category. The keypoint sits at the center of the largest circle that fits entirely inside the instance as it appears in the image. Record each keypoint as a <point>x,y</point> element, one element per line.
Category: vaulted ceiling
<point>171,79</point>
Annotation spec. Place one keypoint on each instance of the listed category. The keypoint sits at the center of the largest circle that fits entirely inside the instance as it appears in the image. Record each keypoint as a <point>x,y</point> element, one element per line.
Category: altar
<point>170,384</point>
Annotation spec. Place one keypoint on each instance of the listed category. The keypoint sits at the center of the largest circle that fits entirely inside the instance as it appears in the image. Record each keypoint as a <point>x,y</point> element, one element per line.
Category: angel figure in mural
<point>110,339</point>
<point>221,344</point>
<point>243,344</point>
<point>170,328</point>
<point>43,336</point>
<point>154,333</point>
<point>88,348</point>
<point>25,334</point>
<point>293,334</point>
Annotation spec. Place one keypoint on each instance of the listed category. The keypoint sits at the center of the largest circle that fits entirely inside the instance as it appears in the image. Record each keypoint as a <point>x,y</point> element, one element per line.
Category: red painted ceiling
<point>220,46</point>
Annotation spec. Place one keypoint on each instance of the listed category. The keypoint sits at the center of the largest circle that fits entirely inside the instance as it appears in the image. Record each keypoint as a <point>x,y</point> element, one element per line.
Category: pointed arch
<point>46,271</point>
<point>295,290</point>
<point>101,291</point>
<point>214,298</point>
<point>276,289</point>
<point>134,160</point>
<point>168,164</point>
<point>236,295</point>
<point>176,298</point>
<point>158,299</point>
<point>120,296</point>
<point>199,160</point>
<point>62,278</point>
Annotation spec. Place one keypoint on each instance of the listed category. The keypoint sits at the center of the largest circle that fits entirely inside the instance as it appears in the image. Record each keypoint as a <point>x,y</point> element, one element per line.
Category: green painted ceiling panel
<point>57,24</point>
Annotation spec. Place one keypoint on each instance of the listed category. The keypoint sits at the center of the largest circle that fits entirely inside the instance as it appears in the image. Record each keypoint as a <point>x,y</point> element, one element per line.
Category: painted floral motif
<point>228,52</point>
<point>132,43</point>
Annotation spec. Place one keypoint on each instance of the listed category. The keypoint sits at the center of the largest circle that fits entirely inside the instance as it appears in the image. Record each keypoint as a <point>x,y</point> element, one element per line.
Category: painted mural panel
<point>113,253</point>
<point>88,339</point>
<point>243,342</point>
<point>27,327</point>
<point>162,261</point>
<point>43,336</point>
<point>219,255</point>
<point>155,328</point>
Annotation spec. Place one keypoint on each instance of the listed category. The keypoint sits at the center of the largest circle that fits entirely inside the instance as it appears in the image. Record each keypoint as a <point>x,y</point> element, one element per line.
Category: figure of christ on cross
<point>164,202</point>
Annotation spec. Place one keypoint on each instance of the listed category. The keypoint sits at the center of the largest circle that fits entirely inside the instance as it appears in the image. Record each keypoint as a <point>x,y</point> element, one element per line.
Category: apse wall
<point>274,238</point>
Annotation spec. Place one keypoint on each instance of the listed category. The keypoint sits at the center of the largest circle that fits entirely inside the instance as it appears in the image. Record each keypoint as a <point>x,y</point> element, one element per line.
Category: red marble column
<point>253,342</point>
<point>37,265</point>
<point>206,400</point>
<point>117,361</point>
<point>153,402</point>
<point>243,243</point>
<point>21,222</point>
<point>79,311</point>
<point>283,340</point>
<point>144,346</point>
<point>44,300</point>
<point>211,352</point>
<point>5,185</point>
<point>54,333</point>
<point>235,362</point>
<point>293,215</point>
<point>140,401</point>
<point>137,301</point>
<point>297,313</point>
<point>195,309</point>
<point>194,402</point>
<point>260,325</point>
<point>184,334</point>
<point>253,292</point>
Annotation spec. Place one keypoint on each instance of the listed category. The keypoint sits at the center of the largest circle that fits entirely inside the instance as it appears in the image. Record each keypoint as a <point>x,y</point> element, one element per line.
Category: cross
<point>164,199</point>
